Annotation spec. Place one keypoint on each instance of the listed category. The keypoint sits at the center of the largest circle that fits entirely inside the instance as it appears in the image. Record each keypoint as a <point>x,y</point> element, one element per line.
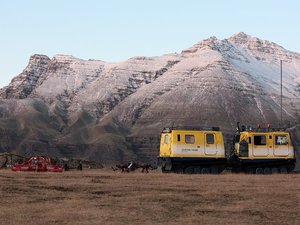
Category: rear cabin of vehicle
<point>263,151</point>
<point>192,150</point>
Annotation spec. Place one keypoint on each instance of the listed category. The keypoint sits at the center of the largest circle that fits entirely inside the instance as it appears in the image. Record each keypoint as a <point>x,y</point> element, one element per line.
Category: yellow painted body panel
<point>174,144</point>
<point>165,147</point>
<point>269,149</point>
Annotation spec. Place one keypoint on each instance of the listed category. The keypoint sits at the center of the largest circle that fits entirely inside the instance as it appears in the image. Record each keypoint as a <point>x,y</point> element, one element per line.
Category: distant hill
<point>113,112</point>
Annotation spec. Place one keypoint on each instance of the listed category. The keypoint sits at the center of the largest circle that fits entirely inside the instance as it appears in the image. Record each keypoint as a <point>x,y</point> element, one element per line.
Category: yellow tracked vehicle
<point>192,150</point>
<point>262,151</point>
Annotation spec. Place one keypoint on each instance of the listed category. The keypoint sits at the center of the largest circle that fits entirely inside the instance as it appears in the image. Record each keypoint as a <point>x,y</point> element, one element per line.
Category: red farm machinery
<point>37,164</point>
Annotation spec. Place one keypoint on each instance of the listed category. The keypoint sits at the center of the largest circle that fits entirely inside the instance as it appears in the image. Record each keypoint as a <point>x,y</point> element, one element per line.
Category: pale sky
<point>115,30</point>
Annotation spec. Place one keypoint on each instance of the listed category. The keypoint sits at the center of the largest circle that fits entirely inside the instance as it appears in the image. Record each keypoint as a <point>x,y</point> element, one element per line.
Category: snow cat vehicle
<point>192,150</point>
<point>262,151</point>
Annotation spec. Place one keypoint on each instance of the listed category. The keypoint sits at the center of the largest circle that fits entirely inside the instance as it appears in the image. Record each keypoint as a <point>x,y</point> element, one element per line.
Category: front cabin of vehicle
<point>264,150</point>
<point>192,149</point>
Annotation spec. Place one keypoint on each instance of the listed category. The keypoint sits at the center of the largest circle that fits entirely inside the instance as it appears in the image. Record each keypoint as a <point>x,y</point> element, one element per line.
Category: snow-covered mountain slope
<point>115,111</point>
<point>220,82</point>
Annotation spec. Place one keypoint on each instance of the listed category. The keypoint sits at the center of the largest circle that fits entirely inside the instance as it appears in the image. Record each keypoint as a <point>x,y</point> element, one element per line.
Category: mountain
<point>112,112</point>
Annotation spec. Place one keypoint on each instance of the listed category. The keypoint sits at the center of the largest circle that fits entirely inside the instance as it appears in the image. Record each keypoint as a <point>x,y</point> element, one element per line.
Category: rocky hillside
<point>112,112</point>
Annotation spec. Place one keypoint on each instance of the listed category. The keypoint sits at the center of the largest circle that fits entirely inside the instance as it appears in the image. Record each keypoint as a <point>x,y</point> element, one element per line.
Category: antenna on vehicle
<point>280,93</point>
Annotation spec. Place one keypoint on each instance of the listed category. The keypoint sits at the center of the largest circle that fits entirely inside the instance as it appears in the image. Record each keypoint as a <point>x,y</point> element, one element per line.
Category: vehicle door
<point>210,144</point>
<point>281,145</point>
<point>165,148</point>
<point>260,147</point>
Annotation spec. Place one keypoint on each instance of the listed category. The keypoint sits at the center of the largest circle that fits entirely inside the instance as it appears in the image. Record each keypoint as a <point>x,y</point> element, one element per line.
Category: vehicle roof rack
<point>195,128</point>
<point>263,129</point>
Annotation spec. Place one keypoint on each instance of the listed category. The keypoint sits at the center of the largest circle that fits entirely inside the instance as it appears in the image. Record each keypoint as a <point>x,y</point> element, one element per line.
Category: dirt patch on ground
<point>106,197</point>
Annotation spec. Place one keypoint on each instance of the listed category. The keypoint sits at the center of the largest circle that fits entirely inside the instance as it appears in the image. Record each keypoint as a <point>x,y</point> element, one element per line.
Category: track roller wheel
<point>235,170</point>
<point>267,171</point>
<point>283,170</point>
<point>250,170</point>
<point>189,170</point>
<point>259,170</point>
<point>205,170</point>
<point>290,167</point>
<point>178,170</point>
<point>214,170</point>
<point>275,170</point>
<point>197,170</point>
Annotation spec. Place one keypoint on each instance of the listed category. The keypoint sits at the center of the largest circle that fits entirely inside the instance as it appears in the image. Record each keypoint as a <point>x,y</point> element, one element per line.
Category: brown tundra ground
<point>107,197</point>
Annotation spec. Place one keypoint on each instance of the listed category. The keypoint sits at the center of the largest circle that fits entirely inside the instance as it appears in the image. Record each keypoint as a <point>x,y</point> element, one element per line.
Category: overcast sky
<point>115,30</point>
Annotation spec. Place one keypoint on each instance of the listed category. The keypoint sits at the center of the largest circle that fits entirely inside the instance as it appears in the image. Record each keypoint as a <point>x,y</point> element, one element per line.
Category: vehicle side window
<point>166,139</point>
<point>260,140</point>
<point>189,139</point>
<point>178,137</point>
<point>281,140</point>
<point>210,139</point>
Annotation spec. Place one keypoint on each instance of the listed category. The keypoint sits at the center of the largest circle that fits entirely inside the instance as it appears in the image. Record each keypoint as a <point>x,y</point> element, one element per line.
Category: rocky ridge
<point>115,111</point>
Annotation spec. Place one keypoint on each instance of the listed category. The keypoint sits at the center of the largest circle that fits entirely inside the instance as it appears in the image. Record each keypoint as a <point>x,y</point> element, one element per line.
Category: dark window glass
<point>178,137</point>
<point>260,140</point>
<point>281,140</point>
<point>189,139</point>
<point>210,139</point>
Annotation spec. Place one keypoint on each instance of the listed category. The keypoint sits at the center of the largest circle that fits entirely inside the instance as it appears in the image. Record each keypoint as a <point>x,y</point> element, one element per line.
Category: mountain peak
<point>241,38</point>
<point>256,45</point>
<point>211,42</point>
<point>37,59</point>
<point>61,57</point>
<point>39,56</point>
<point>242,35</point>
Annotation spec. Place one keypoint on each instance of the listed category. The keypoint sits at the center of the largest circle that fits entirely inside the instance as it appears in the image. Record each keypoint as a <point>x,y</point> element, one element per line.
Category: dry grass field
<point>107,197</point>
